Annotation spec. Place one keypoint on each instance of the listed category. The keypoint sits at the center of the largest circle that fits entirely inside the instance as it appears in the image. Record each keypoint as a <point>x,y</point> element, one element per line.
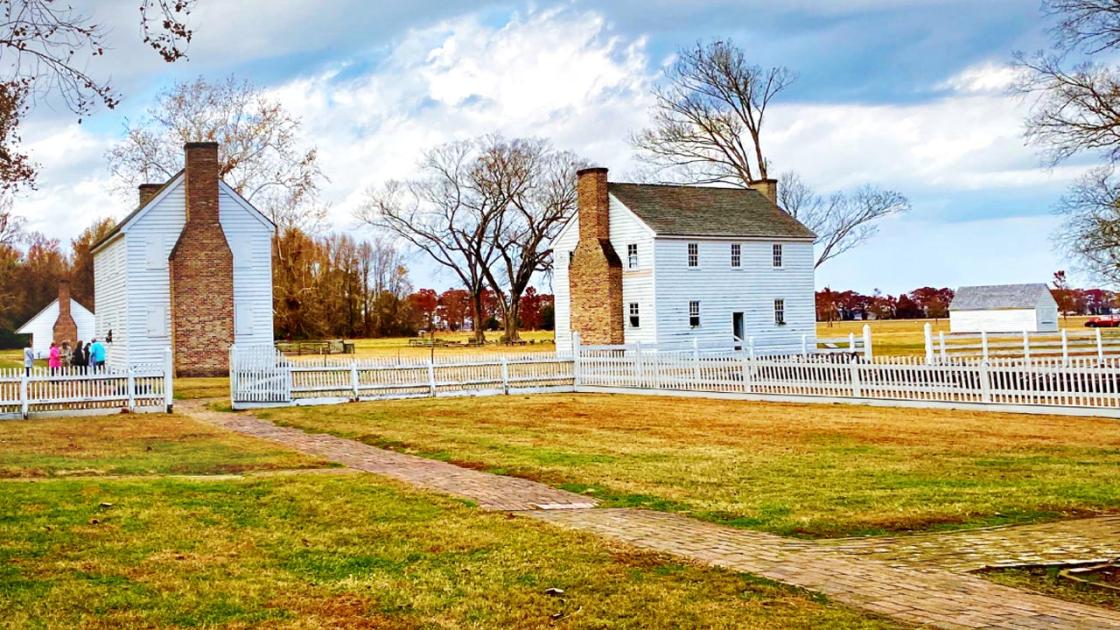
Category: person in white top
<point>28,359</point>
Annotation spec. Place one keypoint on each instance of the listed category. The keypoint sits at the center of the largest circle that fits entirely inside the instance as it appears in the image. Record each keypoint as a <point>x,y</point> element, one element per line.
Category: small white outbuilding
<point>1003,308</point>
<point>41,327</point>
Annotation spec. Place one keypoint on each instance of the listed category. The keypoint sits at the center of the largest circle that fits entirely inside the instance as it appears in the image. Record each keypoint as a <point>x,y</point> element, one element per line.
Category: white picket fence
<point>1073,383</point>
<point>1066,344</point>
<point>261,376</point>
<point>79,390</point>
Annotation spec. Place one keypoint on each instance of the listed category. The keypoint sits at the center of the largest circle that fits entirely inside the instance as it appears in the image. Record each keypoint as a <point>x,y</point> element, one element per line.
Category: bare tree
<point>44,48</point>
<point>708,117</point>
<point>841,221</point>
<point>1089,25</point>
<point>1090,230</point>
<point>534,194</point>
<point>260,152</point>
<point>444,212</point>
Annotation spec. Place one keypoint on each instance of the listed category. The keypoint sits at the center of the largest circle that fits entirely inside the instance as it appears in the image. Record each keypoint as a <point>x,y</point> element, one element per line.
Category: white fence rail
<point>141,387</point>
<point>1066,344</point>
<point>260,376</point>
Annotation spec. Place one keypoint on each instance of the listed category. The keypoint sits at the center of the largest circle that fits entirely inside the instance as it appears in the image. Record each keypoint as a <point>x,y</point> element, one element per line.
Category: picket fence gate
<point>79,390</point>
<point>1066,344</point>
<point>261,376</point>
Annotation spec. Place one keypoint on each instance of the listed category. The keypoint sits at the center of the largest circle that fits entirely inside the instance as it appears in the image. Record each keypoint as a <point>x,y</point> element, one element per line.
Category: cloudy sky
<point>906,94</point>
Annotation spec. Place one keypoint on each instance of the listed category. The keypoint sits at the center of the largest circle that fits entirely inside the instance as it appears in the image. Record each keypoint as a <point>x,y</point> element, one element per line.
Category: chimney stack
<point>595,273</point>
<point>65,329</point>
<point>147,191</point>
<point>201,268</point>
<point>768,188</point>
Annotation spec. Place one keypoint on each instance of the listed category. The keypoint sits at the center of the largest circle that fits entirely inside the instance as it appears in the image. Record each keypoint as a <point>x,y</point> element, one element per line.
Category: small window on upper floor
<point>635,320</point>
<point>693,254</point>
<point>694,314</point>
<point>632,255</point>
<point>736,255</point>
<point>777,254</point>
<point>779,312</point>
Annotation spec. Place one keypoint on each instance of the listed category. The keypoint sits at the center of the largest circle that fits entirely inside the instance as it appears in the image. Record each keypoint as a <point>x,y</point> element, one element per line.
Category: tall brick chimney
<point>768,187</point>
<point>201,268</point>
<point>147,191</point>
<point>595,274</point>
<point>65,328</point>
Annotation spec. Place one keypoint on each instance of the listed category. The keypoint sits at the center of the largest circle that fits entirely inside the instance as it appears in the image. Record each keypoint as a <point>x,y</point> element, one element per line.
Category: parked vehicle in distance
<point>1103,321</point>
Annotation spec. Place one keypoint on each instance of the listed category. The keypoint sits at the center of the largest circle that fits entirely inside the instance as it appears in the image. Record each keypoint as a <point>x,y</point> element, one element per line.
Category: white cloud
<point>987,78</point>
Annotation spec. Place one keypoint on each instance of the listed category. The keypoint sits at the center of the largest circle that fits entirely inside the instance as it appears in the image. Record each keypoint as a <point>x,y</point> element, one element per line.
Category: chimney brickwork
<point>65,328</point>
<point>595,273</point>
<point>201,269</point>
<point>147,191</point>
<point>768,187</point>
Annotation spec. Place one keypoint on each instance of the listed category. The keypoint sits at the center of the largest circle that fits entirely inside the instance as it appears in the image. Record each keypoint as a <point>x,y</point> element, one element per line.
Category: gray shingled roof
<point>707,211</point>
<point>999,296</point>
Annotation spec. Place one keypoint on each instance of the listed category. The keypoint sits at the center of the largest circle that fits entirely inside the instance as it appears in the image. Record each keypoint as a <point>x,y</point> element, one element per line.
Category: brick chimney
<point>768,187</point>
<point>595,274</point>
<point>65,328</point>
<point>201,269</point>
<point>147,191</point>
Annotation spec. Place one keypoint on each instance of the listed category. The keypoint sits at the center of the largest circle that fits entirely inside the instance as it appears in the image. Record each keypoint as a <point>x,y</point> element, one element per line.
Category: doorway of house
<point>739,329</point>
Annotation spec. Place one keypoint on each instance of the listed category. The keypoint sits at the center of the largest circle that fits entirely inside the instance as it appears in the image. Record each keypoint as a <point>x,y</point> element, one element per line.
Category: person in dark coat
<point>81,355</point>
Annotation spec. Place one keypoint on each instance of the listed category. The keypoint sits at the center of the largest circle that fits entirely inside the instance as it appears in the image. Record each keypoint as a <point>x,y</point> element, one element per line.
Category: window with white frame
<point>694,314</point>
<point>632,255</point>
<point>777,250</point>
<point>635,320</point>
<point>736,255</point>
<point>780,312</point>
<point>693,254</point>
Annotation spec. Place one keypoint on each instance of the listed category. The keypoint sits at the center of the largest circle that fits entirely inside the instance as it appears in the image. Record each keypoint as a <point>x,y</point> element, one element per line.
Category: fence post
<point>1026,346</point>
<point>857,387</point>
<point>1100,345</point>
<point>696,359</point>
<point>131,384</point>
<point>941,344</point>
<point>852,343</point>
<point>750,347</point>
<point>1065,348</point>
<point>505,375</point>
<point>747,364</point>
<point>985,382</point>
<point>169,380</point>
<point>804,345</point>
<point>431,377</point>
<point>576,376</point>
<point>927,331</point>
<point>354,381</point>
<point>984,345</point>
<point>867,350</point>
<point>638,368</point>
<point>24,403</point>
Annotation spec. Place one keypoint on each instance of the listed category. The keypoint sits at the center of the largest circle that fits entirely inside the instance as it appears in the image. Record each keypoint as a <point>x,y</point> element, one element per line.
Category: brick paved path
<point>1064,542</point>
<point>915,579</point>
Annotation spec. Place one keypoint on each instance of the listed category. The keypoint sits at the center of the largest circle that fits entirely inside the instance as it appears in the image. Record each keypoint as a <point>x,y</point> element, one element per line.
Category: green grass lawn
<point>810,470</point>
<point>305,550</point>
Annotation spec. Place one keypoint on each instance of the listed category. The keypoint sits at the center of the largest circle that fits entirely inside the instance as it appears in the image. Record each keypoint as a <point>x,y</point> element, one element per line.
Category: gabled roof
<point>74,304</point>
<point>1000,296</point>
<point>708,211</point>
<point>159,193</point>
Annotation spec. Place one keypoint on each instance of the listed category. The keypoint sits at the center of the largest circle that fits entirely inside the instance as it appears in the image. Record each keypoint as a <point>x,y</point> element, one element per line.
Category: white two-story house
<point>665,265</point>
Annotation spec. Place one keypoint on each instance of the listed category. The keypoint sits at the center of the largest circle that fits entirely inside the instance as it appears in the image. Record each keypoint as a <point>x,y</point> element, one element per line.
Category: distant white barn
<point>1003,308</point>
<point>189,269</point>
<point>654,264</point>
<point>64,319</point>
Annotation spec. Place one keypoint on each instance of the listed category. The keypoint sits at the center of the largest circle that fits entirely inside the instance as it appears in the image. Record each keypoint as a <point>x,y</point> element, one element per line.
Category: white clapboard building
<point>189,269</point>
<point>1003,308</point>
<point>64,319</point>
<point>666,265</point>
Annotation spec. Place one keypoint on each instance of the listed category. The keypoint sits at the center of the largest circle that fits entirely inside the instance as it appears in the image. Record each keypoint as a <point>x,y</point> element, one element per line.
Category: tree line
<point>921,303</point>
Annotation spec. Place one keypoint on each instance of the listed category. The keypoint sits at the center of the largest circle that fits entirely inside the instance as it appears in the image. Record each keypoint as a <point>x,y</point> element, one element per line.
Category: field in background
<point>812,470</point>
<point>907,336</point>
<point>84,547</point>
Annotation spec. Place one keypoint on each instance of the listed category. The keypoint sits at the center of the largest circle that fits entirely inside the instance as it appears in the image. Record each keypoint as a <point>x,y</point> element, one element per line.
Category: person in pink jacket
<point>54,359</point>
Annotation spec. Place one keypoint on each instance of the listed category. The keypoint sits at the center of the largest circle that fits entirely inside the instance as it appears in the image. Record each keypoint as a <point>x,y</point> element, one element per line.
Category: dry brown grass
<point>820,470</point>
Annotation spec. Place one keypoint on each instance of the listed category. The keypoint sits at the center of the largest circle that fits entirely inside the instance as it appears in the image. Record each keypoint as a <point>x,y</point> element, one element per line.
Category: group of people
<point>90,355</point>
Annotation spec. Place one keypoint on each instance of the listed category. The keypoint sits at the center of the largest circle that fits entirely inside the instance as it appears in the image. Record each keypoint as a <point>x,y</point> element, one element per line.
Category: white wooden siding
<point>1006,320</point>
<point>723,290</point>
<point>110,295</point>
<point>250,238</point>
<point>637,284</point>
<point>562,247</point>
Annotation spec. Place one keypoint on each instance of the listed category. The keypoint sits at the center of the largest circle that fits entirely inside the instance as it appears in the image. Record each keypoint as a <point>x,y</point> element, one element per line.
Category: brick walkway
<point>915,579</point>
